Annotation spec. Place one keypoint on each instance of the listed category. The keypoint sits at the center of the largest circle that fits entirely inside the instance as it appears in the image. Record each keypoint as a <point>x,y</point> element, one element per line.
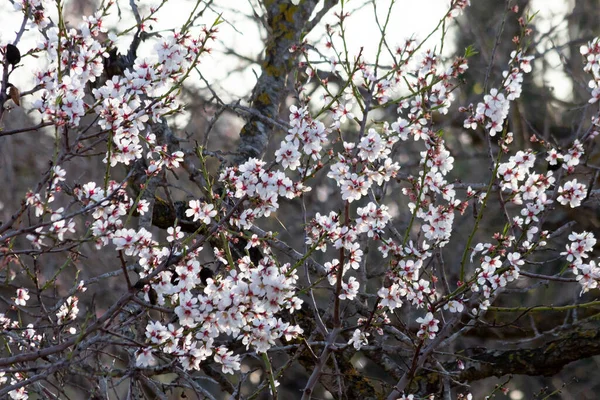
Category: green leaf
<point>470,51</point>
<point>219,20</point>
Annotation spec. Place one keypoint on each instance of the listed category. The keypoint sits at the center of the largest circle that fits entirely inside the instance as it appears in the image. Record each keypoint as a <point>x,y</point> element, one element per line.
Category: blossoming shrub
<point>219,291</point>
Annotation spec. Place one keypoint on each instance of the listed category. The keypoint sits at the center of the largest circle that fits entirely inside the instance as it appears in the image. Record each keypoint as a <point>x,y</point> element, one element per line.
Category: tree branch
<point>545,360</point>
<point>287,24</point>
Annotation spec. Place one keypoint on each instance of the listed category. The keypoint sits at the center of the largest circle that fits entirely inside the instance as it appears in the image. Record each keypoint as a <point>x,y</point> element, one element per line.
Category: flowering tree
<point>348,228</point>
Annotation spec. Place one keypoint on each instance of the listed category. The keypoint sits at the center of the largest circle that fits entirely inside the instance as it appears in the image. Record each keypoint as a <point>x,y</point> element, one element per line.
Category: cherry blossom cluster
<point>429,326</point>
<point>492,112</point>
<point>326,229</point>
<point>262,186</point>
<point>591,59</point>
<point>587,274</point>
<point>108,207</point>
<point>29,338</point>
<point>367,163</point>
<point>17,394</point>
<point>37,8</point>
<point>242,304</point>
<point>124,104</point>
<point>490,277</point>
<point>573,156</point>
<point>525,186</point>
<point>436,164</point>
<point>431,183</point>
<point>260,291</point>
<point>433,83</point>
<point>355,172</point>
<point>68,311</point>
<point>572,193</point>
<point>59,224</point>
<point>434,86</point>
<point>35,200</point>
<point>531,189</point>
<point>405,284</point>
<point>501,266</point>
<point>305,137</point>
<point>79,63</point>
<point>199,210</point>
<point>372,219</point>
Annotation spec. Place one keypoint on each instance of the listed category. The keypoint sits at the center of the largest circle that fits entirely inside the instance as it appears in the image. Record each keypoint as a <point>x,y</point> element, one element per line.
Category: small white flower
<point>22,297</point>
<point>359,339</point>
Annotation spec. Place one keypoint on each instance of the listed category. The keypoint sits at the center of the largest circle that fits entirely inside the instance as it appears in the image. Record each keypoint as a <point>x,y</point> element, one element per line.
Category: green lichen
<point>264,99</point>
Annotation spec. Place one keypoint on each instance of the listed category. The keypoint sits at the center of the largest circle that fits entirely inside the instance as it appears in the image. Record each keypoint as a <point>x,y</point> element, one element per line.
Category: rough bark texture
<point>287,24</point>
<point>547,359</point>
